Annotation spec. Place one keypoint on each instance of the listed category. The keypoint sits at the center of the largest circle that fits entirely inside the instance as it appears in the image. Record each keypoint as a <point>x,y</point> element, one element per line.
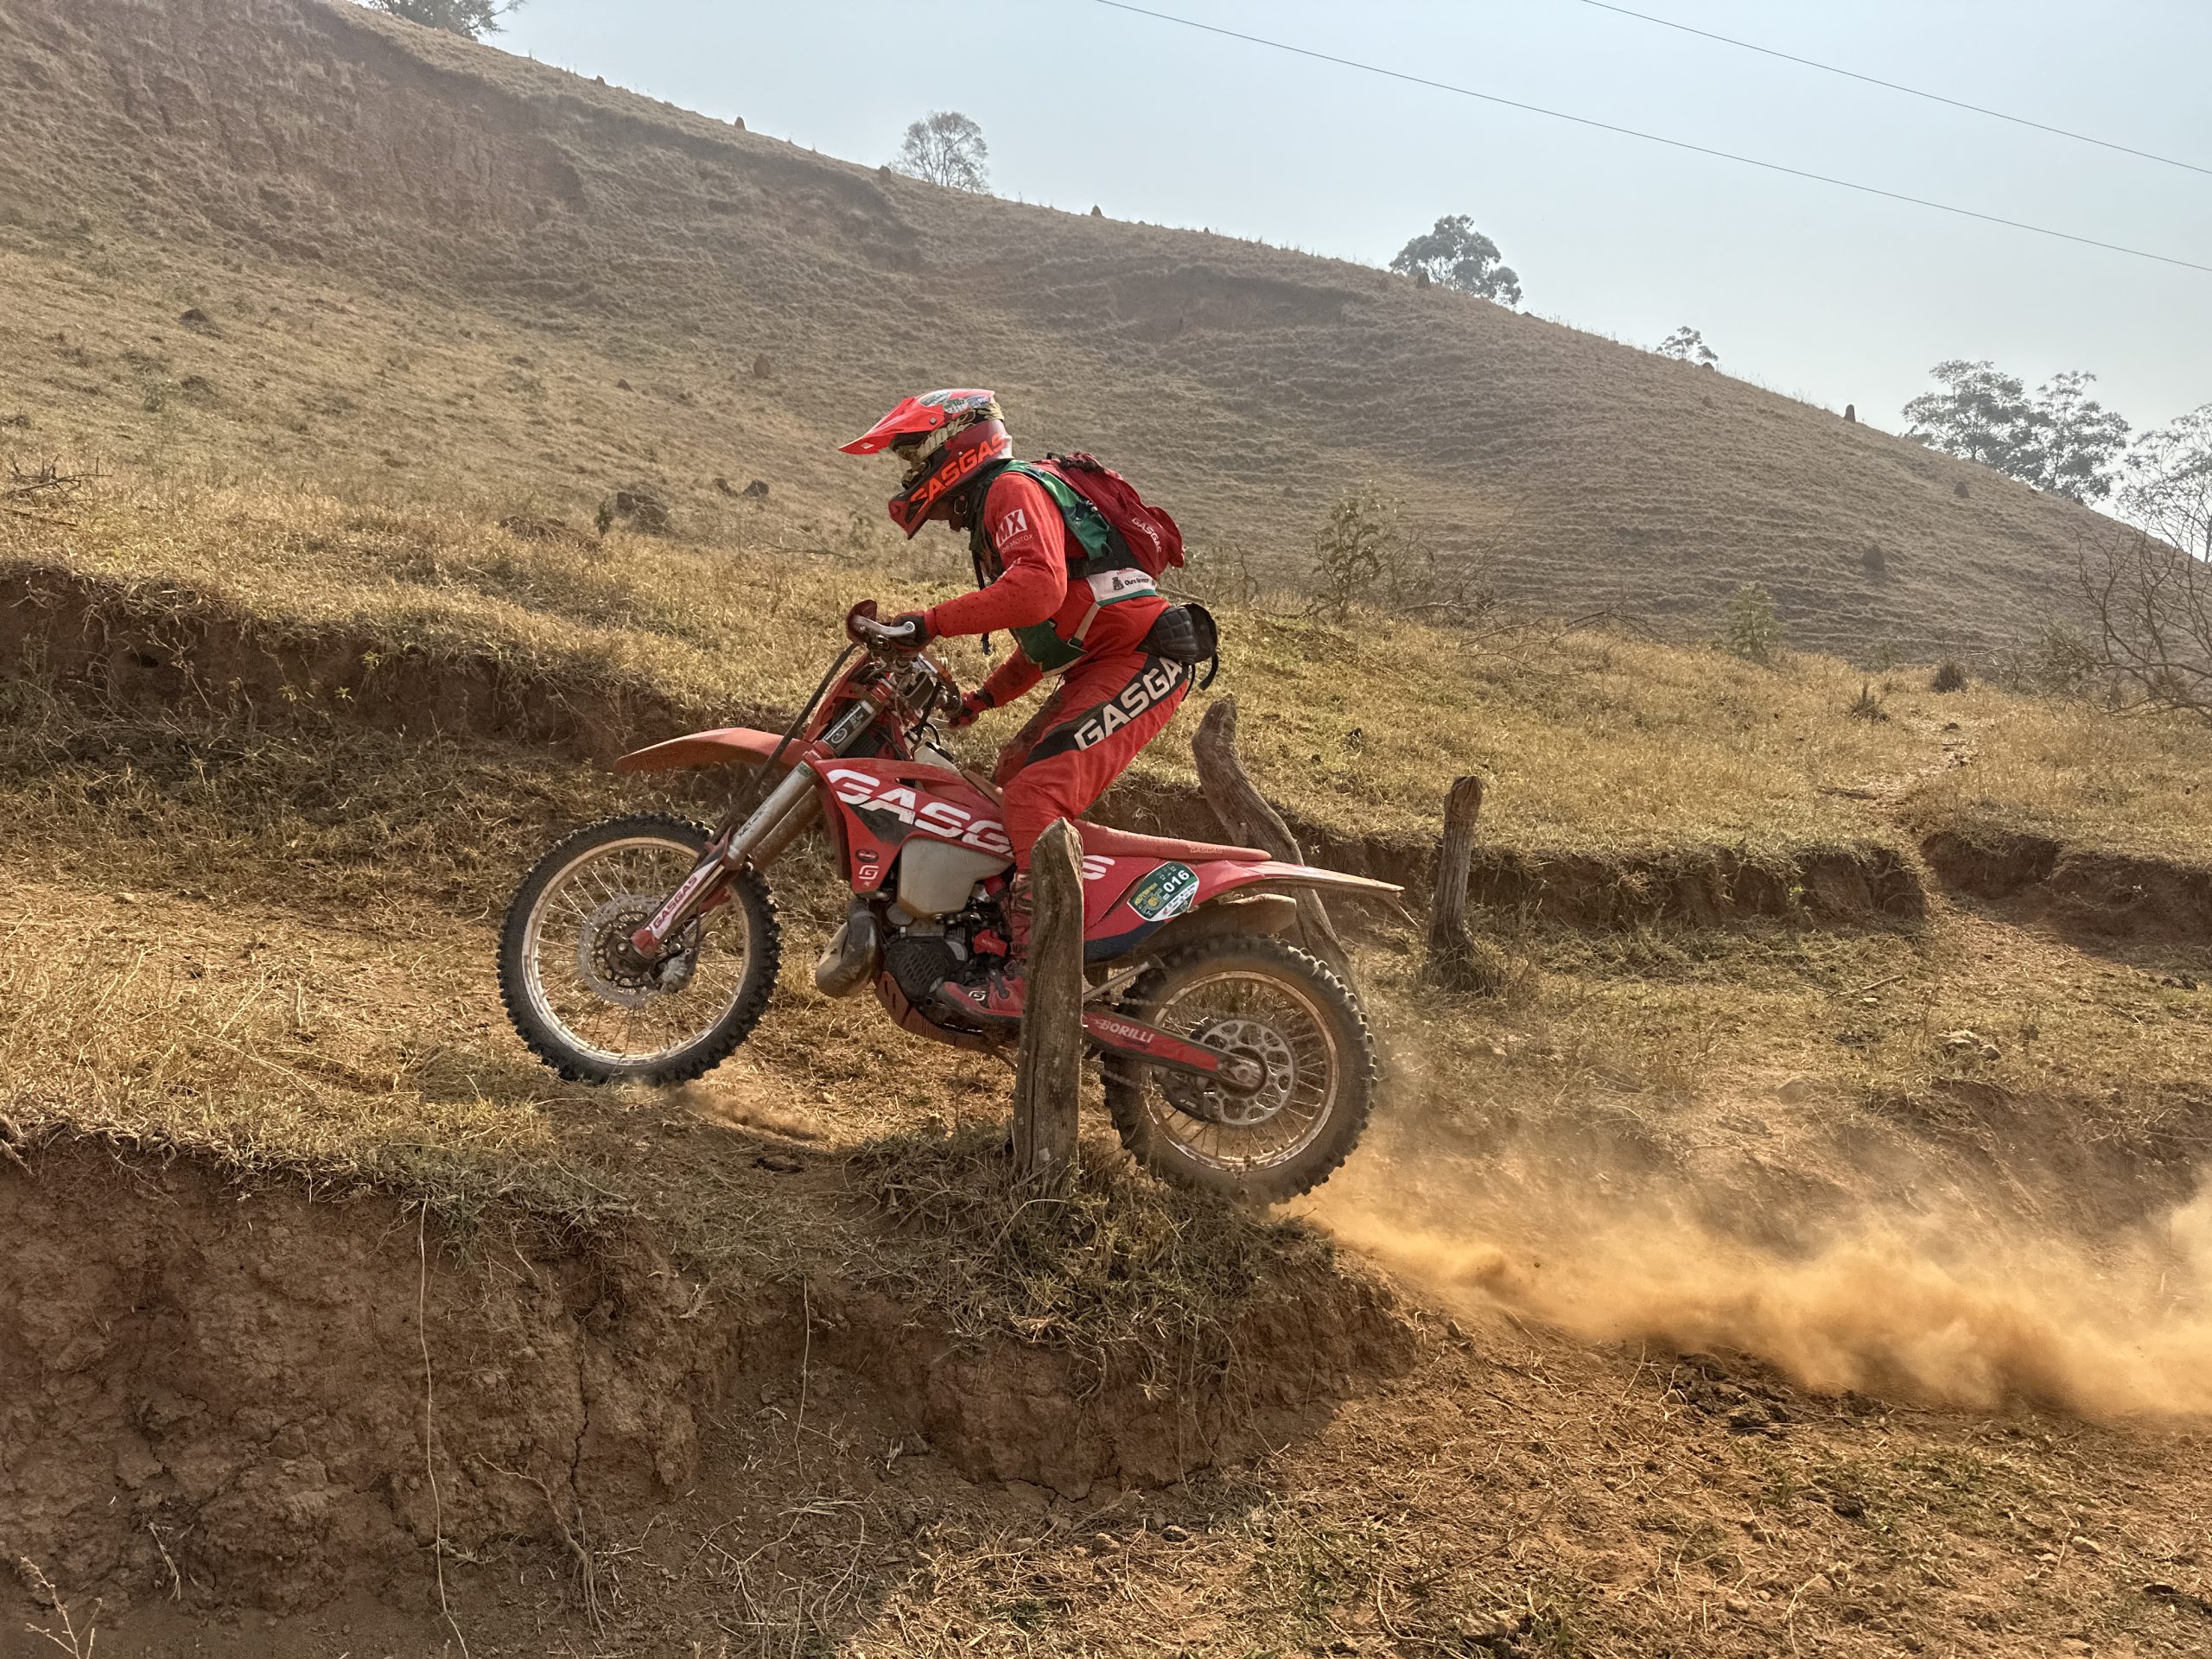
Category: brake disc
<point>608,963</point>
<point>1250,1039</point>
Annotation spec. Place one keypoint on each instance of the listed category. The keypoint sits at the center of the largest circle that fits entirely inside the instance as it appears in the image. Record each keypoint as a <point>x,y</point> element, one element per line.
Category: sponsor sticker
<point>1108,586</point>
<point>1168,891</point>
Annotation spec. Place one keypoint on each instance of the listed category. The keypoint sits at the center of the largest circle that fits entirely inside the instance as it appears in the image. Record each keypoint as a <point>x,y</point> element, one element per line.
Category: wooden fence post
<point>1451,949</point>
<point>1049,1070</point>
<point>1248,820</point>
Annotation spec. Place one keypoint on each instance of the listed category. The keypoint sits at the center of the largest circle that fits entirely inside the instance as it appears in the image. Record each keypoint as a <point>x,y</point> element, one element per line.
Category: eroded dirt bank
<point>260,1393</point>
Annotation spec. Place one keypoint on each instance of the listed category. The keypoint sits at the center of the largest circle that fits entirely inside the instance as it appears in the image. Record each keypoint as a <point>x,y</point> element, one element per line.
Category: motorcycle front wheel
<point>1262,998</point>
<point>579,995</point>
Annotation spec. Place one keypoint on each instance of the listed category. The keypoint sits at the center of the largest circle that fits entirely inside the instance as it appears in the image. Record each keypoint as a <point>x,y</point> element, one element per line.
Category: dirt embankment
<point>1848,884</point>
<point>171,647</point>
<point>2090,894</point>
<point>256,1392</point>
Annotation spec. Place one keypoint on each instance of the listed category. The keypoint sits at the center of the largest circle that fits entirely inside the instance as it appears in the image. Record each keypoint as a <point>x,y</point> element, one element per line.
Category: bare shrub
<point>1221,573</point>
<point>1749,627</point>
<point>1363,557</point>
<point>2152,601</point>
<point>2060,661</point>
<point>1950,675</point>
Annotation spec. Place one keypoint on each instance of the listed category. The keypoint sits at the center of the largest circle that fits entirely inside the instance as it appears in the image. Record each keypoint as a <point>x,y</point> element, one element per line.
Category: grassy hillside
<point>280,923</point>
<point>401,259</point>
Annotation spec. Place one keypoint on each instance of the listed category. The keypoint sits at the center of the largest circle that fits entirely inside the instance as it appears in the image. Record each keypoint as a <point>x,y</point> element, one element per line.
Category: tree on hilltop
<point>1982,414</point>
<point>1687,344</point>
<point>2061,440</point>
<point>944,147</point>
<point>1457,255</point>
<point>472,18</point>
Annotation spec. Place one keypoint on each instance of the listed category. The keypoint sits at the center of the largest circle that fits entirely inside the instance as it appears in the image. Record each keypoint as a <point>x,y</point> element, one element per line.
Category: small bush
<point>1363,557</point>
<point>1866,705</point>
<point>1357,553</point>
<point>1749,627</point>
<point>1950,675</point>
<point>1220,574</point>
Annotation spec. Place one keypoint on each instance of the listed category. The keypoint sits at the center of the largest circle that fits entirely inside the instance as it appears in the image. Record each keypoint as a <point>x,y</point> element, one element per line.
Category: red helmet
<point>944,438</point>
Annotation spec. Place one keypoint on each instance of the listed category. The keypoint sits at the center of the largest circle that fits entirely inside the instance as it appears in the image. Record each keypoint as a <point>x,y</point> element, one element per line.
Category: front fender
<point>731,744</point>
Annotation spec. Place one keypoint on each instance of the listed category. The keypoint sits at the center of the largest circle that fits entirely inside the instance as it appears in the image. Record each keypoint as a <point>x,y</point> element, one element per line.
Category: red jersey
<point>1026,532</point>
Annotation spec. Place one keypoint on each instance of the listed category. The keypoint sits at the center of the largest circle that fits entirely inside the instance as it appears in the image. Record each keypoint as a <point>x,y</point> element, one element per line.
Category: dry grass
<point>1120,1268</point>
<point>2136,784</point>
<point>280,923</point>
<point>1592,739</point>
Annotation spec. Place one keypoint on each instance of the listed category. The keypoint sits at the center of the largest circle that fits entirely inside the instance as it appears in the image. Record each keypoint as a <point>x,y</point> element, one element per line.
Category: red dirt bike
<point>645,948</point>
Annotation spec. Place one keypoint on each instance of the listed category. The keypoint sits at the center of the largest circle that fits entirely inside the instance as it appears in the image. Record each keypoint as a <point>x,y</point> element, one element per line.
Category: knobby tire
<point>764,954</point>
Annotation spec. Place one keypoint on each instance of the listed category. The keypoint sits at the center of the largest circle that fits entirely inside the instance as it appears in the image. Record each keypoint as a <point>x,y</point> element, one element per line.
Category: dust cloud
<point>1954,1308</point>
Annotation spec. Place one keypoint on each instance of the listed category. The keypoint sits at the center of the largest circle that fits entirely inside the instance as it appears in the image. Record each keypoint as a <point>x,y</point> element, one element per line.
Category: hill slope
<point>439,265</point>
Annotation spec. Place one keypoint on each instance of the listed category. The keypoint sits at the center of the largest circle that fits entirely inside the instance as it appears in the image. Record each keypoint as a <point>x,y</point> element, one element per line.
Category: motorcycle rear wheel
<point>591,1012</point>
<point>1257,995</point>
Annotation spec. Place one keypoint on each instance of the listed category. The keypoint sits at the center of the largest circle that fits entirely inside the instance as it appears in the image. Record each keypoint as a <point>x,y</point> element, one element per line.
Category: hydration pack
<point>1115,528</point>
<point>1137,533</point>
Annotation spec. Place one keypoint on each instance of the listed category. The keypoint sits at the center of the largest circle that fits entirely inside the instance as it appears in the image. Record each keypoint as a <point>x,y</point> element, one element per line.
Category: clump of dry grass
<point>1118,1266</point>
<point>309,812</point>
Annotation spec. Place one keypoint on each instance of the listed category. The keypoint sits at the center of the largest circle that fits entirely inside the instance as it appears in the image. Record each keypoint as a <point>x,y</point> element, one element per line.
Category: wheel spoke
<point>1260,1014</point>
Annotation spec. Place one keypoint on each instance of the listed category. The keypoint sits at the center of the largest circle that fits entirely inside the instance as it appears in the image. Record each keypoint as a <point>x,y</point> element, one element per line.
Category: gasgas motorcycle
<point>645,948</point>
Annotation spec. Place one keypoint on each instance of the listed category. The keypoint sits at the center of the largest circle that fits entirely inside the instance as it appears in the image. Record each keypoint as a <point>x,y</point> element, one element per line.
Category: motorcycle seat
<point>1100,842</point>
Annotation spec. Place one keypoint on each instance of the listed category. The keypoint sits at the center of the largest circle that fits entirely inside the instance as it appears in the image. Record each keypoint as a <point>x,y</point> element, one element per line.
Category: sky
<point>1811,290</point>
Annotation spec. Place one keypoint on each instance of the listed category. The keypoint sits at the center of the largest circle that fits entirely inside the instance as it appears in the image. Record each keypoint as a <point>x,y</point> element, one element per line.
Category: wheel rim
<point>617,1012</point>
<point>1263,1017</point>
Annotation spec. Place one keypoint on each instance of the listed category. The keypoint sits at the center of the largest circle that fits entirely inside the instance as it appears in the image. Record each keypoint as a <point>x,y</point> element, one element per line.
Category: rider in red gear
<point>1115,694</point>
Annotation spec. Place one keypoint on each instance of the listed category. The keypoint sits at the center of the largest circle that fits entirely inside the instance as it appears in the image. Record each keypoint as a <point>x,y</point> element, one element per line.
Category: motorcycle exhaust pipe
<point>855,956</point>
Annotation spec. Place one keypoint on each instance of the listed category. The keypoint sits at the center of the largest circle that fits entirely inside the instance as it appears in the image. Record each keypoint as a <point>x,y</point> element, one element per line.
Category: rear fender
<point>737,745</point>
<point>1219,879</point>
<point>1171,896</point>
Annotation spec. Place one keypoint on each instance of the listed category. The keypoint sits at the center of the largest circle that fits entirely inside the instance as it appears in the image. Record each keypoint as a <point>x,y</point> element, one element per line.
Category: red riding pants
<point>1107,708</point>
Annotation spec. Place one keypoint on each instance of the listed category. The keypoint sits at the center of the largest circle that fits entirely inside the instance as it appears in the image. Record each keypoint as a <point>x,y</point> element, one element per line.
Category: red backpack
<point>1148,536</point>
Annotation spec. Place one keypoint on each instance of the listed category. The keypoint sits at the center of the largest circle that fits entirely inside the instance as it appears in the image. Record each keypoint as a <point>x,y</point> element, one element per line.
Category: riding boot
<point>998,999</point>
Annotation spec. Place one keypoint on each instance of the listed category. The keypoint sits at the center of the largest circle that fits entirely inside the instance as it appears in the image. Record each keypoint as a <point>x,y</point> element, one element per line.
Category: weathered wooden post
<point>1451,948</point>
<point>1049,1070</point>
<point>1248,819</point>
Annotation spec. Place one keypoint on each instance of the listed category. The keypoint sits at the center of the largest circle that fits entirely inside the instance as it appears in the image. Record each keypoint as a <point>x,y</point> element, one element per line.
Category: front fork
<point>792,806</point>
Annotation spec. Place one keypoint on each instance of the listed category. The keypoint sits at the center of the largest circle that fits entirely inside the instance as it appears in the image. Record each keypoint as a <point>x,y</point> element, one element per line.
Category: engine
<point>963,946</point>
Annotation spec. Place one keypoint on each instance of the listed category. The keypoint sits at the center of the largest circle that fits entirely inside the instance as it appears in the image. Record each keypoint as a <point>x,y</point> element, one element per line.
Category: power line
<point>1897,86</point>
<point>1653,137</point>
